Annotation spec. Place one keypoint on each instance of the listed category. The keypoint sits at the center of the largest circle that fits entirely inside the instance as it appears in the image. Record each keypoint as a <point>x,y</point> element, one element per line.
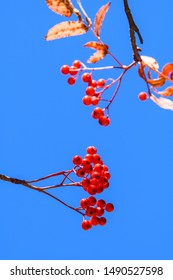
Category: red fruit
<point>73,71</point>
<point>102,221</point>
<point>97,113</point>
<point>109,207</point>
<point>86,162</point>
<point>90,211</point>
<point>95,100</point>
<point>77,64</point>
<point>103,120</point>
<point>94,220</point>
<point>106,174</point>
<point>90,91</point>
<point>80,172</point>
<point>84,203</point>
<point>100,189</point>
<point>86,182</point>
<point>87,78</point>
<point>65,69</point>
<point>89,157</point>
<point>101,83</point>
<point>91,150</point>
<point>77,160</point>
<point>96,158</point>
<point>71,80</point>
<point>105,168</point>
<point>98,167</point>
<point>92,190</point>
<point>93,83</point>
<point>91,200</point>
<point>88,168</point>
<point>86,225</point>
<point>96,175</point>
<point>142,96</point>
<point>101,203</point>
<point>95,182</point>
<point>99,211</point>
<point>86,100</point>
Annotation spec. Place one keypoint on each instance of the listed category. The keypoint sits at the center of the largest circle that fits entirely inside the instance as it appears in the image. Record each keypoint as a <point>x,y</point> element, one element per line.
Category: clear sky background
<point>44,124</point>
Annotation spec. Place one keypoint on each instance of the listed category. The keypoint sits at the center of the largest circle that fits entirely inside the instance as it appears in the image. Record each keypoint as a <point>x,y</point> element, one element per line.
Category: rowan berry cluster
<point>95,209</point>
<point>95,180</point>
<point>93,91</point>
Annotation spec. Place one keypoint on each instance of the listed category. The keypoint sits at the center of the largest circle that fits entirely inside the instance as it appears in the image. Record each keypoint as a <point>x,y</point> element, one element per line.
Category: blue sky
<point>44,124</point>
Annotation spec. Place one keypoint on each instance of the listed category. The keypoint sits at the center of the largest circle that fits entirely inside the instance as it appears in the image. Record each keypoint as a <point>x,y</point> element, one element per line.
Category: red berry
<point>95,100</point>
<point>106,174</point>
<point>92,190</point>
<point>95,175</point>
<point>86,77</point>
<point>73,71</point>
<point>96,158</point>
<point>88,168</point>
<point>94,220</point>
<point>98,167</point>
<point>90,91</point>
<point>65,69</point>
<point>102,221</point>
<point>101,83</point>
<point>77,160</point>
<point>77,64</point>
<point>71,80</point>
<point>84,203</point>
<point>97,113</point>
<point>95,182</point>
<point>89,157</point>
<point>99,211</point>
<point>142,96</point>
<point>86,182</point>
<point>91,200</point>
<point>93,83</point>
<point>101,203</point>
<point>90,211</point>
<point>86,100</point>
<point>86,225</point>
<point>91,150</point>
<point>109,207</point>
<point>80,172</point>
<point>103,120</point>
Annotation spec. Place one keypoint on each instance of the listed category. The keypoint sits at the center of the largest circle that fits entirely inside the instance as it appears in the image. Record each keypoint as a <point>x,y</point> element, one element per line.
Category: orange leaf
<point>100,17</point>
<point>61,7</point>
<point>96,46</point>
<point>167,92</point>
<point>167,69</point>
<point>66,29</point>
<point>156,82</point>
<point>162,102</point>
<point>99,55</point>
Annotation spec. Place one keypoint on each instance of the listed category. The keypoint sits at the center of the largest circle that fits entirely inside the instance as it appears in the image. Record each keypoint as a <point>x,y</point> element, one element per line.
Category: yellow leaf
<point>61,7</point>
<point>156,82</point>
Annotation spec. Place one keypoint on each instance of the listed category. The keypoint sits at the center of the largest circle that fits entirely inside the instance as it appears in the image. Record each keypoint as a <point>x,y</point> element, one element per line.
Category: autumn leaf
<point>100,17</point>
<point>66,29</point>
<point>167,92</point>
<point>101,52</point>
<point>61,7</point>
<point>156,82</point>
<point>150,62</point>
<point>162,102</point>
<point>167,69</point>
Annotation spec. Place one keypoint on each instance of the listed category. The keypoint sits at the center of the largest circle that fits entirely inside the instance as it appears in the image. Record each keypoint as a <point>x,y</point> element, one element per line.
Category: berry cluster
<point>95,179</point>
<point>95,209</point>
<point>93,92</point>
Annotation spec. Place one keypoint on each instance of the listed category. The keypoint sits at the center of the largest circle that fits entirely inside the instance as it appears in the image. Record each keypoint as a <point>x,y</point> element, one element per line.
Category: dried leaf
<point>97,46</point>
<point>66,29</point>
<point>102,50</point>
<point>162,102</point>
<point>156,82</point>
<point>150,62</point>
<point>167,69</point>
<point>167,92</point>
<point>99,55</point>
<point>100,17</point>
<point>61,7</point>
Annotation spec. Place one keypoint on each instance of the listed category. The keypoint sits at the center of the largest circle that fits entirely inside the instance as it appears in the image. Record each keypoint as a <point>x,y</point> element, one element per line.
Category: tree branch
<point>133,29</point>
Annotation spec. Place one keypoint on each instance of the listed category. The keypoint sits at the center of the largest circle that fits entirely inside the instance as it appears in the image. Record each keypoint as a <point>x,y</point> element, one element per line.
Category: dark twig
<point>133,29</point>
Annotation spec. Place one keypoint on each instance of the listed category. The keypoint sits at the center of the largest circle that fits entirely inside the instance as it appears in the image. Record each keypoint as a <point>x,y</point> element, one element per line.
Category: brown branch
<point>133,29</point>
